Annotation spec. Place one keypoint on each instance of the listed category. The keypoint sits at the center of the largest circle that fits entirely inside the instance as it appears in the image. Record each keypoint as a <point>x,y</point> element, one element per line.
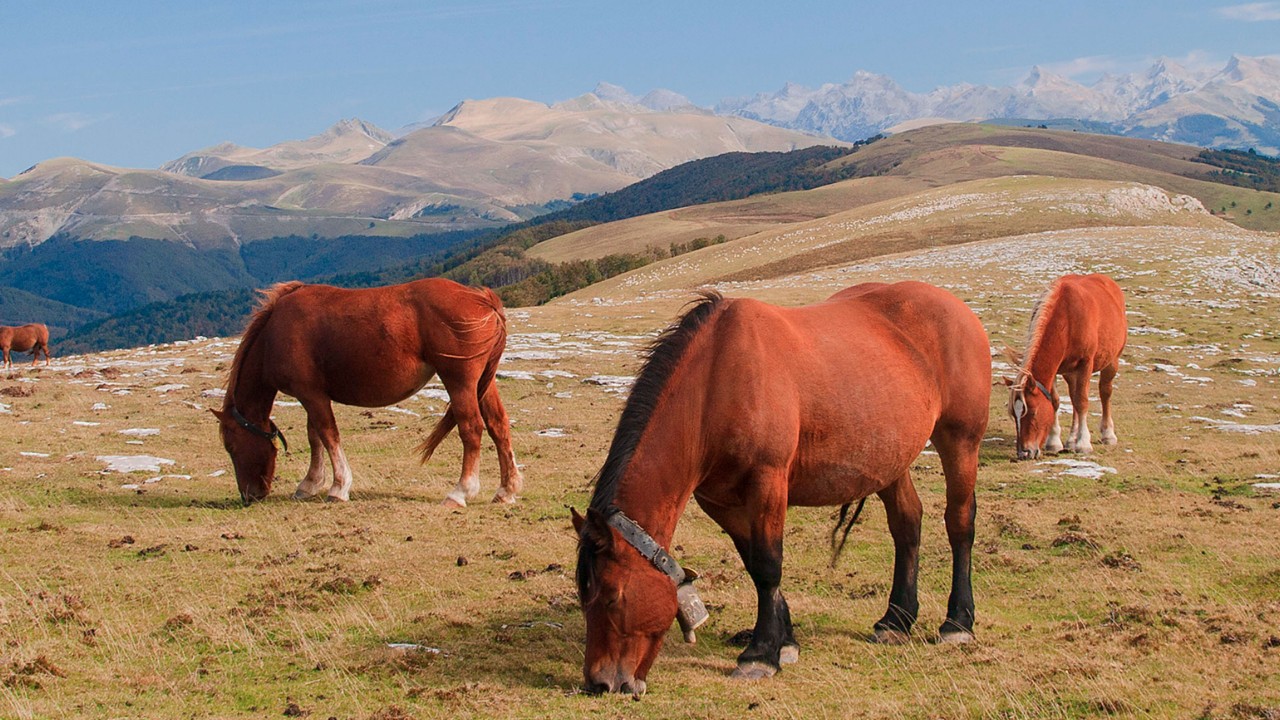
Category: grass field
<point>1145,586</point>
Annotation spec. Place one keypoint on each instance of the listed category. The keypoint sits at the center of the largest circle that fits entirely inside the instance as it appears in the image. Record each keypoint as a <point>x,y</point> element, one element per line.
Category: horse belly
<point>379,386</point>
<point>840,474</point>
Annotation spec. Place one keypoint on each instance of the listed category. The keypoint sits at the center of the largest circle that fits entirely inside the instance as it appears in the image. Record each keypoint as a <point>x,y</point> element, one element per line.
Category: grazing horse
<point>750,408</point>
<point>33,337</point>
<point>370,348</point>
<point>1078,328</point>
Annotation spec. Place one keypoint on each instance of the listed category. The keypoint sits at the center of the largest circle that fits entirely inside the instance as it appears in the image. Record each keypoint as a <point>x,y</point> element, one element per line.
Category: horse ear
<point>222,417</point>
<point>578,520</point>
<point>596,529</point>
<point>1006,381</point>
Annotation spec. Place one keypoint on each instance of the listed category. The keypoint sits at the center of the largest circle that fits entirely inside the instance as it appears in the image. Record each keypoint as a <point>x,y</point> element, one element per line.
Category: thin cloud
<point>7,131</point>
<point>73,121</point>
<point>7,101</point>
<point>1252,12</point>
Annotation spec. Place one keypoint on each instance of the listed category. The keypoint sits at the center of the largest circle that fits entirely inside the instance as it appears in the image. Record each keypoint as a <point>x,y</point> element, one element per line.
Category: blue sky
<point>139,83</point>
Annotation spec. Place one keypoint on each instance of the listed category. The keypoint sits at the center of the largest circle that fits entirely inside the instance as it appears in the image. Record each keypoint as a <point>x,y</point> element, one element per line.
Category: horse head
<point>628,603</point>
<point>252,451</point>
<point>1033,411</point>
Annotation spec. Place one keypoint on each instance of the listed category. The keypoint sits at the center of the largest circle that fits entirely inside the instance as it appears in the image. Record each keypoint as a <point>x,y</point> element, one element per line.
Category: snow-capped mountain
<point>1237,106</point>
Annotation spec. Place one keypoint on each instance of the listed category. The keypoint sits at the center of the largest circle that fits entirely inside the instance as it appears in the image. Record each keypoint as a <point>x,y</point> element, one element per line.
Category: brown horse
<point>33,337</point>
<point>370,348</point>
<point>1078,328</point>
<point>751,408</point>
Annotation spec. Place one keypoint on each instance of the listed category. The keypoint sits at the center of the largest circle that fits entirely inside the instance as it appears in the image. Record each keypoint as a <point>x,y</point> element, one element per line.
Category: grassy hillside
<point>1141,583</point>
<point>18,307</point>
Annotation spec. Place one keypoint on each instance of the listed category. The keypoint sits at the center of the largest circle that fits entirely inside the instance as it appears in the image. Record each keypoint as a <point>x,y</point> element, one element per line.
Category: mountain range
<point>1237,106</point>
<point>482,164</point>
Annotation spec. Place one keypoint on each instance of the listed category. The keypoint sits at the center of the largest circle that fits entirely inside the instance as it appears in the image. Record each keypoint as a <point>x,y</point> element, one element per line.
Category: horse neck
<point>248,392</point>
<point>1048,348</point>
<point>667,464</point>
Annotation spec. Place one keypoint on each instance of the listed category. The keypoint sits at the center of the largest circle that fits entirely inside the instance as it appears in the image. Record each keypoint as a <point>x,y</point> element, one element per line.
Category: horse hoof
<point>335,498</point>
<point>450,502</point>
<point>888,636</point>
<point>753,671</point>
<point>504,499</point>
<point>789,655</point>
<point>956,637</point>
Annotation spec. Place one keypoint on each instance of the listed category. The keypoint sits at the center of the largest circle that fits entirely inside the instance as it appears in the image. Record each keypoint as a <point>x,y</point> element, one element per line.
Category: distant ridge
<point>1237,106</point>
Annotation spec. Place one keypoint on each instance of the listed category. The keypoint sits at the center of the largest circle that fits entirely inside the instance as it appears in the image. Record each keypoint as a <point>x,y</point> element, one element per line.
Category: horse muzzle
<point>1029,454</point>
<point>602,683</point>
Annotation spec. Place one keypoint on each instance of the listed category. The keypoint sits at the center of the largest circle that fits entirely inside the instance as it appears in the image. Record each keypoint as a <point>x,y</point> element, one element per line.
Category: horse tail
<point>837,548</point>
<point>443,427</point>
<point>497,344</point>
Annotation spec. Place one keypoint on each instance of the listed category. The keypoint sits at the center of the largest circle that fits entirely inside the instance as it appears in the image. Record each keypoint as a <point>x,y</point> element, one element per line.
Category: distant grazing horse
<point>1078,328</point>
<point>370,348</point>
<point>33,337</point>
<point>751,408</point>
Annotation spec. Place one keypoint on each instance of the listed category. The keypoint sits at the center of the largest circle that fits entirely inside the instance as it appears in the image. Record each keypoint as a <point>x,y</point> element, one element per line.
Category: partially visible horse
<point>750,408</point>
<point>1078,328</point>
<point>33,337</point>
<point>371,348</point>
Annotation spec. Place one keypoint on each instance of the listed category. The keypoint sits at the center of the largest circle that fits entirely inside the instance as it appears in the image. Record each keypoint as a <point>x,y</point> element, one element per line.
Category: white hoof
<point>789,655</point>
<point>753,671</point>
<point>956,638</point>
<point>503,498</point>
<point>885,636</point>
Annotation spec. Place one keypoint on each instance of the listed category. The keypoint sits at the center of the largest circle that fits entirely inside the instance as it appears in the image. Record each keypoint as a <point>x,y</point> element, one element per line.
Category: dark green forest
<point>1243,168</point>
<point>493,258</point>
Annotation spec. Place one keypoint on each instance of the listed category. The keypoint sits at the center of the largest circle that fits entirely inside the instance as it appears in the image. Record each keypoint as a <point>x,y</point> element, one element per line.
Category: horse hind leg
<point>465,407</point>
<point>499,426</point>
<point>902,506</point>
<point>313,482</point>
<point>959,457</point>
<point>1105,383</point>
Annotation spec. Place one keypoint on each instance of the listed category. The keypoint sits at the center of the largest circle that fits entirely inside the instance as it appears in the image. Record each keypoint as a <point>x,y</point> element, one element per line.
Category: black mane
<point>663,355</point>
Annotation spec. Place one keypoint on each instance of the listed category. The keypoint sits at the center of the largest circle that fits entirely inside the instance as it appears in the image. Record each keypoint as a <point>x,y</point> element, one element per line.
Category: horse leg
<point>320,421</point>
<point>959,455</point>
<point>1054,443</point>
<point>1080,410</point>
<point>902,505</point>
<point>756,528</point>
<point>313,482</point>
<point>1105,381</point>
<point>499,426</point>
<point>8,364</point>
<point>465,407</point>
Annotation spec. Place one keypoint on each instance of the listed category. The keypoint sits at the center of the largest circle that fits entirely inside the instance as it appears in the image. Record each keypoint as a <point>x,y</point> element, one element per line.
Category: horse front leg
<point>499,426</point>
<point>1105,383</point>
<point>902,506</point>
<point>959,457</point>
<point>756,528</point>
<point>313,482</point>
<point>465,407</point>
<point>1078,384</point>
<point>321,421</point>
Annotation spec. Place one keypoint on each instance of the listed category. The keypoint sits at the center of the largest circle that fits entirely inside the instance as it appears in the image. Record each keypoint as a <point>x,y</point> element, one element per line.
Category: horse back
<point>1093,308</point>
<point>860,379</point>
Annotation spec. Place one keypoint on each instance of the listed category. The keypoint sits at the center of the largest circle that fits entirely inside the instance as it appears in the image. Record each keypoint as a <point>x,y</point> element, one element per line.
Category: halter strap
<point>644,544</point>
<point>1042,388</point>
<point>272,436</point>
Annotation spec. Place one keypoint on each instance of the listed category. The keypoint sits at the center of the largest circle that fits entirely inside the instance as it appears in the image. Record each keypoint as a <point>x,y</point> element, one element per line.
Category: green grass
<point>215,610</point>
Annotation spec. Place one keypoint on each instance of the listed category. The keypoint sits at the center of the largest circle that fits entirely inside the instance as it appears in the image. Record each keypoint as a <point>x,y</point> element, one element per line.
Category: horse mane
<point>662,357</point>
<point>257,323</point>
<point>1040,314</point>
